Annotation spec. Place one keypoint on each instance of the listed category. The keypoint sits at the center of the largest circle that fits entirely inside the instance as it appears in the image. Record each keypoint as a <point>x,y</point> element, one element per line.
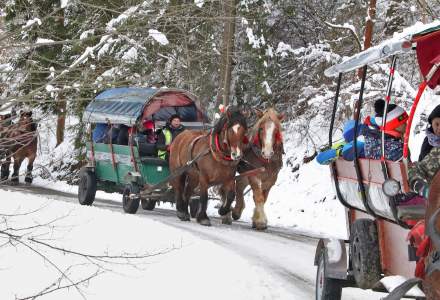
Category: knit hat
<point>174,116</point>
<point>396,115</point>
<point>148,124</point>
<point>434,114</point>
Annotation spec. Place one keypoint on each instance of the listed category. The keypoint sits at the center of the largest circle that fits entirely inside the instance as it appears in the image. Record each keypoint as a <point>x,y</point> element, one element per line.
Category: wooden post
<point>227,52</point>
<point>369,26</point>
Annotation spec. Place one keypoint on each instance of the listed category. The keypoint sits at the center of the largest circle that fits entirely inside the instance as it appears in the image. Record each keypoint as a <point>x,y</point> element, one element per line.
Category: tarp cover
<point>428,54</point>
<point>127,105</point>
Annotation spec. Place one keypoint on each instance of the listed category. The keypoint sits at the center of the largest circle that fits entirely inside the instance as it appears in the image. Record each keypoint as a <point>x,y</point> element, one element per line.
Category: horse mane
<point>229,118</point>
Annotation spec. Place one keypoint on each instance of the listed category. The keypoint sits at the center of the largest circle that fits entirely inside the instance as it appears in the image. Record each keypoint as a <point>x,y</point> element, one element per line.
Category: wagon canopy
<point>403,42</point>
<point>126,105</point>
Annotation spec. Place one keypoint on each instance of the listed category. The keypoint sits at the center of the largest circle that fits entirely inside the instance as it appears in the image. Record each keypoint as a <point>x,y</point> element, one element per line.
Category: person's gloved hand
<point>422,188</point>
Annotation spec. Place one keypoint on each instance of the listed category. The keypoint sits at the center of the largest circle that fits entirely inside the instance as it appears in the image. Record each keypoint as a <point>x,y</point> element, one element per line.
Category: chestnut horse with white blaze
<point>265,150</point>
<point>218,153</point>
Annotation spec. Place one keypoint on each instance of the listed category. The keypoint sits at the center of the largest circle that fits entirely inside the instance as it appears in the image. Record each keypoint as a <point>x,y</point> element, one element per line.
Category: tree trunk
<point>61,120</point>
<point>371,15</point>
<point>61,105</point>
<point>227,52</point>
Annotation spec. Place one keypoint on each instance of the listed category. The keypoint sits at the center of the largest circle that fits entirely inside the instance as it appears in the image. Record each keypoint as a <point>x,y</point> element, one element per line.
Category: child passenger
<point>394,129</point>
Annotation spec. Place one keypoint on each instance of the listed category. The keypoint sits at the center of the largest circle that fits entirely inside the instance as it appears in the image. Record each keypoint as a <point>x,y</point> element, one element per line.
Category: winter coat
<point>426,148</point>
<point>373,146</point>
<point>426,169</point>
<point>163,143</point>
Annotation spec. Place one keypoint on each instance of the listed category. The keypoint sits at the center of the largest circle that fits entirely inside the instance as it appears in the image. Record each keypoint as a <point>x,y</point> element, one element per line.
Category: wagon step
<point>401,287</point>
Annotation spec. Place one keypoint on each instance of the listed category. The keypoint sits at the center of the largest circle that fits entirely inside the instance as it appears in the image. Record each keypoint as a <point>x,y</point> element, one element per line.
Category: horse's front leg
<point>259,220</point>
<point>29,178</point>
<point>5,168</point>
<point>229,188</point>
<point>17,164</point>
<point>226,219</point>
<point>240,185</point>
<point>202,217</point>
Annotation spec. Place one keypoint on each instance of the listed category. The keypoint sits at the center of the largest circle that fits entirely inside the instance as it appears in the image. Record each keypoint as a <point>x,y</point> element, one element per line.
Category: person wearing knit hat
<point>394,129</point>
<point>432,138</point>
<point>395,119</point>
<point>421,173</point>
<point>167,135</point>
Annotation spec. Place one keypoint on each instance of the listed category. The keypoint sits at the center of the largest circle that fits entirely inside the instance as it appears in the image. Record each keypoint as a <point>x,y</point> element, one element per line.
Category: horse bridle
<point>257,146</point>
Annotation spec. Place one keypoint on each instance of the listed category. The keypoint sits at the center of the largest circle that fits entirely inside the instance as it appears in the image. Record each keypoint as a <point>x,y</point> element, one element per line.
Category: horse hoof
<point>14,181</point>
<point>226,221</point>
<point>204,222</point>
<point>236,216</point>
<point>28,180</point>
<point>223,211</point>
<point>259,226</point>
<point>183,216</point>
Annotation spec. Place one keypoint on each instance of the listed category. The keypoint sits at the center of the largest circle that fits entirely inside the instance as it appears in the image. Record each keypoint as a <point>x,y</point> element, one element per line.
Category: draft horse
<point>214,157</point>
<point>265,150</point>
<point>20,141</point>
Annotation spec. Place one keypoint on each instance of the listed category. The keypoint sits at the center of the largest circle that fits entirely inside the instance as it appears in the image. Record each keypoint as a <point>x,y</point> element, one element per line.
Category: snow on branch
<point>348,27</point>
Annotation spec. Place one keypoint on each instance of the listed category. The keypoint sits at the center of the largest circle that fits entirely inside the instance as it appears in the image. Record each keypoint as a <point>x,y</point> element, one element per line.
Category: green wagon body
<point>113,177</point>
<point>121,168</point>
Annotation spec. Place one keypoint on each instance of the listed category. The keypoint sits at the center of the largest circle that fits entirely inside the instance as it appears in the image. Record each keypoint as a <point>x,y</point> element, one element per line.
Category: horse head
<point>268,132</point>
<point>25,122</point>
<point>232,128</point>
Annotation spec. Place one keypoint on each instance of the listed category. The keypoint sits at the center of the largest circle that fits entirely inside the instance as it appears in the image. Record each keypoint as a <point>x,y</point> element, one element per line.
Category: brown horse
<point>217,155</point>
<point>21,139</point>
<point>265,150</point>
<point>431,283</point>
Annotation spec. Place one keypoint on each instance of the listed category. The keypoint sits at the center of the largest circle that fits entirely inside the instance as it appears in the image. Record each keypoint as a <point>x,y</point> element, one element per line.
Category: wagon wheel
<point>148,204</point>
<point>130,199</point>
<point>194,207</point>
<point>86,186</point>
<point>326,288</point>
<point>364,253</point>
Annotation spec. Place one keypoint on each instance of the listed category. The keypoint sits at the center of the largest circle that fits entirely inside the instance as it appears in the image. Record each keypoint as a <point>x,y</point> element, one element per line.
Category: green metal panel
<point>152,171</point>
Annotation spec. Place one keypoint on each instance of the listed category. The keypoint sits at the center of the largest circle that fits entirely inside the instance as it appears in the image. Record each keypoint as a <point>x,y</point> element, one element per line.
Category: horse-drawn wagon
<point>376,223</point>
<point>133,168</point>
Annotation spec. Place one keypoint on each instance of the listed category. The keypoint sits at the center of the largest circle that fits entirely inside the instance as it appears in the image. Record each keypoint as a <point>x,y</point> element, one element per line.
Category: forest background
<point>55,56</point>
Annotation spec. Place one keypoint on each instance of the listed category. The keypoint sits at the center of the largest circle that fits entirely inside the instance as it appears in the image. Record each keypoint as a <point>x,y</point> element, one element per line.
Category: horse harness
<point>214,148</point>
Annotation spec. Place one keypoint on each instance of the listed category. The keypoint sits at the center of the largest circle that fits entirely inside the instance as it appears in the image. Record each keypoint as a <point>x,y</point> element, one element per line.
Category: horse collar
<point>216,150</point>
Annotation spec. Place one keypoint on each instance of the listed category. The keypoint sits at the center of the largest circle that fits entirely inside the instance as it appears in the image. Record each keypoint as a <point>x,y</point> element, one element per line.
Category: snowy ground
<point>194,262</point>
<point>190,268</point>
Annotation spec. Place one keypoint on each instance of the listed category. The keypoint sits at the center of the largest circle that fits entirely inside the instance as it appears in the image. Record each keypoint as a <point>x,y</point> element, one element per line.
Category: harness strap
<point>191,147</point>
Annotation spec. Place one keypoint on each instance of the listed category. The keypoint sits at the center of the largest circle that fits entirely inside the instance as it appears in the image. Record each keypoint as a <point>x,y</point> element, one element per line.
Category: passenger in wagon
<point>421,173</point>
<point>167,135</point>
<point>394,132</point>
<point>148,126</point>
<point>100,132</point>
<point>432,139</point>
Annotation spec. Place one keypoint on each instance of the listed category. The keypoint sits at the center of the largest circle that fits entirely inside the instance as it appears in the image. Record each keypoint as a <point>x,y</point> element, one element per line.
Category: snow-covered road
<point>283,255</point>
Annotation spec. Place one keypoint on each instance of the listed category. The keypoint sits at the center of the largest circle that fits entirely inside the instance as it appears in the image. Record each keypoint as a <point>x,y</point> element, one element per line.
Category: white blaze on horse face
<point>267,150</point>
<point>236,151</point>
<point>236,127</point>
